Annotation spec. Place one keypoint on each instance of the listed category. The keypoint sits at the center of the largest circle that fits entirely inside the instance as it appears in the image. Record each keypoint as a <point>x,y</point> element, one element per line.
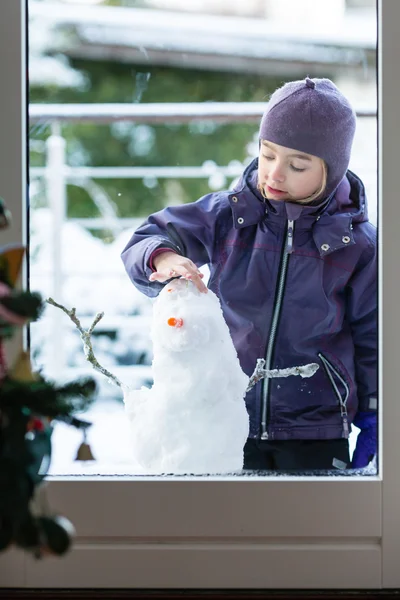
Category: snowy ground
<point>109,440</point>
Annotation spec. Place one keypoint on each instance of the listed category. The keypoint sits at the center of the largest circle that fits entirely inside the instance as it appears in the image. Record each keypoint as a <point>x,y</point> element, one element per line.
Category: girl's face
<point>286,174</point>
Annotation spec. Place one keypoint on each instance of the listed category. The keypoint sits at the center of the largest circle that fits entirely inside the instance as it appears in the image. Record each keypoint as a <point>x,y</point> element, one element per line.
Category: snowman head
<point>184,318</point>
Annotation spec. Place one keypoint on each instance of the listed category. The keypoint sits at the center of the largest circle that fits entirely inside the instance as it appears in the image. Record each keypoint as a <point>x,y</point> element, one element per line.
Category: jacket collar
<point>331,220</point>
<point>248,206</point>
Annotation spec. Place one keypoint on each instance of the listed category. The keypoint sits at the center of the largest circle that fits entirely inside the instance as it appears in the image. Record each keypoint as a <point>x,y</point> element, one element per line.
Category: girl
<point>292,258</point>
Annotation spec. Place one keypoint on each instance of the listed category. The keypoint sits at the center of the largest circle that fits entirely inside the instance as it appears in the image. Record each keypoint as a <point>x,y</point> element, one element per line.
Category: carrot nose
<point>175,322</point>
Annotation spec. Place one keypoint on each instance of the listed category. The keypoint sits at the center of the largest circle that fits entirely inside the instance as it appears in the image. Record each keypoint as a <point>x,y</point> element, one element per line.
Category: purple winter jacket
<point>297,284</point>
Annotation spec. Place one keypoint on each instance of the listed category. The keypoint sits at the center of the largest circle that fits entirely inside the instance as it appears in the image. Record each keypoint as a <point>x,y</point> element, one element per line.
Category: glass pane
<point>136,107</point>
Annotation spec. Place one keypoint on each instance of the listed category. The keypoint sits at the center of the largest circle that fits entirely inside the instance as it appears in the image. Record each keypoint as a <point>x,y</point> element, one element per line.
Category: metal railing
<point>158,112</point>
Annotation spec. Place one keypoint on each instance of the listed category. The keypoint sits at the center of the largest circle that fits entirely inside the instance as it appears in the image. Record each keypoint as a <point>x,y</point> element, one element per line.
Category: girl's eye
<point>268,157</point>
<point>296,169</point>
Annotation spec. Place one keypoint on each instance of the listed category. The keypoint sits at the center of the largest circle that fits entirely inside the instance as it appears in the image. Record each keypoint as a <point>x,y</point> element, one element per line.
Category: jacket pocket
<point>335,379</point>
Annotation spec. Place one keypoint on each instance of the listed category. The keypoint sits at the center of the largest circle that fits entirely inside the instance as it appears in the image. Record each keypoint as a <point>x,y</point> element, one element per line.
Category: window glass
<point>136,106</point>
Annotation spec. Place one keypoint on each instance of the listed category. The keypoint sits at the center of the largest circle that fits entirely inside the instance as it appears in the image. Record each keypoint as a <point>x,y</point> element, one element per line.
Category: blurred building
<point>289,9</point>
<point>287,38</point>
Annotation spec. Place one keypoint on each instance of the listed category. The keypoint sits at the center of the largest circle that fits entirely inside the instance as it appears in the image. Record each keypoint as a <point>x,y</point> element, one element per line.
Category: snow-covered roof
<point>208,41</point>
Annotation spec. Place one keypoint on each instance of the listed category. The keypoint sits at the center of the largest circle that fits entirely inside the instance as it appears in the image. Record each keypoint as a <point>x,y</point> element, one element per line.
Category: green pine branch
<point>44,398</point>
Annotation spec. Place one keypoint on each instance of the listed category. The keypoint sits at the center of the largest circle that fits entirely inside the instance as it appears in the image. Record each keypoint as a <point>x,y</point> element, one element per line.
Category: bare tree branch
<point>87,342</point>
<point>261,373</point>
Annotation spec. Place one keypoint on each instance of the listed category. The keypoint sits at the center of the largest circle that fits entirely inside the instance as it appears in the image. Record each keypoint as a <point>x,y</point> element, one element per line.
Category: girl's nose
<point>277,174</point>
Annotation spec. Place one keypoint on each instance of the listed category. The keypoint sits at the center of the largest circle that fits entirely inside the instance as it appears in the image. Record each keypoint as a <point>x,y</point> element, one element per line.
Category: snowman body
<point>193,419</point>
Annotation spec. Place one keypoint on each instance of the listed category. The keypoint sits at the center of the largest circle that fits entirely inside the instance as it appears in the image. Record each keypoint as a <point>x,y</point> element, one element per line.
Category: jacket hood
<point>331,218</point>
<point>349,196</point>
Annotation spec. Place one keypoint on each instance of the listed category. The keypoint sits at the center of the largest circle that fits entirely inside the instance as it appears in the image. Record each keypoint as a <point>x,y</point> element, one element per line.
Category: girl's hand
<point>170,264</point>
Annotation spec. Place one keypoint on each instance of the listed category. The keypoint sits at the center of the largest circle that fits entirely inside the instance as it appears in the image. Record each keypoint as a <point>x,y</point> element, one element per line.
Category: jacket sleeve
<point>362,312</point>
<point>188,229</point>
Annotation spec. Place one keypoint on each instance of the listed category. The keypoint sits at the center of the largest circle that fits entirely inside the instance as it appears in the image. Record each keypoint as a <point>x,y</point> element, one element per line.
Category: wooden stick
<point>87,342</point>
<point>261,373</point>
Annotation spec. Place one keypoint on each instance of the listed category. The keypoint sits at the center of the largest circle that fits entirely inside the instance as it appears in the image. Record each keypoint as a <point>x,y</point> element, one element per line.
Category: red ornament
<point>35,424</point>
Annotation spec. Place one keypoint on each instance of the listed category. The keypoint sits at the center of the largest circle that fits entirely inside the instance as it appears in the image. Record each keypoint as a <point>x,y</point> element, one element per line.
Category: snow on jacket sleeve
<point>188,229</point>
<point>362,313</point>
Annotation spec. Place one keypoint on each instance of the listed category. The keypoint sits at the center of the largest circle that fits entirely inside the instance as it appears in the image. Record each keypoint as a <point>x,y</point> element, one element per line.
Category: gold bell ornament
<point>84,450</point>
<point>22,369</point>
<point>11,257</point>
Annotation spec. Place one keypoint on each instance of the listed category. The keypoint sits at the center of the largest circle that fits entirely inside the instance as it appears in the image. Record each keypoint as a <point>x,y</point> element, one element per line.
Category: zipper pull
<point>289,237</point>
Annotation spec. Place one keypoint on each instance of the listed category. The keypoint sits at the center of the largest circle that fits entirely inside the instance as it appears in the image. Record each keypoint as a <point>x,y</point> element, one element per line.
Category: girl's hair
<point>309,199</point>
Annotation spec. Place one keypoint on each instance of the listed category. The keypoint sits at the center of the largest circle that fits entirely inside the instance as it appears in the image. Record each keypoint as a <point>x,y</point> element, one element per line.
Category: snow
<point>93,280</point>
<point>193,419</point>
<point>111,443</point>
<point>356,30</point>
<point>45,69</point>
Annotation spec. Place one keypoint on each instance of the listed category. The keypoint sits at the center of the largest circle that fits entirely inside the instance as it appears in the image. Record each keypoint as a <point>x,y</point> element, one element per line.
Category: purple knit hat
<point>312,116</point>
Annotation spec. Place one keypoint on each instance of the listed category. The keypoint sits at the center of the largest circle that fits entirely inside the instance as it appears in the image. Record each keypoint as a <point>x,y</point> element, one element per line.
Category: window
<point>96,175</point>
<point>191,533</point>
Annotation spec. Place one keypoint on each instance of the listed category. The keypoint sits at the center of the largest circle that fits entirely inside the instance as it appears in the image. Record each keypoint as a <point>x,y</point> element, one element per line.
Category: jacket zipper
<point>330,371</point>
<point>288,249</point>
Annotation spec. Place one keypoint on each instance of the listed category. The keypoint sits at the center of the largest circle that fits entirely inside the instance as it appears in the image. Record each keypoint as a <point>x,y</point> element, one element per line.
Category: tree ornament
<point>84,451</point>
<point>35,424</point>
<point>11,257</point>
<point>56,535</point>
<point>22,369</point>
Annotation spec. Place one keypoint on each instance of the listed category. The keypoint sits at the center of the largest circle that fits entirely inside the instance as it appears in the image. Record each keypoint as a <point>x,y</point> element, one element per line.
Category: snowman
<point>193,419</point>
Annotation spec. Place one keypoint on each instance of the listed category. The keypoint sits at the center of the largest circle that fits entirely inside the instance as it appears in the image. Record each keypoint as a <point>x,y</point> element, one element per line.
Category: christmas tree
<point>29,406</point>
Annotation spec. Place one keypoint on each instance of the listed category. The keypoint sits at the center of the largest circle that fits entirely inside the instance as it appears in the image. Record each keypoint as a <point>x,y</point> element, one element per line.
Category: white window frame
<point>208,533</point>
